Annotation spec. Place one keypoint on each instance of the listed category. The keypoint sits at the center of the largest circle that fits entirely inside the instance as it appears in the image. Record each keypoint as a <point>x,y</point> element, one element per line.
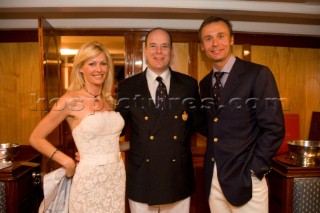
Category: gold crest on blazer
<point>184,116</point>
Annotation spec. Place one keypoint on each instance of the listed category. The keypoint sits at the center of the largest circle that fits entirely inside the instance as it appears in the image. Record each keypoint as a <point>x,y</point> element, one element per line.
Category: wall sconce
<point>68,51</point>
<point>246,52</point>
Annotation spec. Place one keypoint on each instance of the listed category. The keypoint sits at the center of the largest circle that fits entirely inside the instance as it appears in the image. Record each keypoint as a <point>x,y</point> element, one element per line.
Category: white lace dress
<point>99,181</point>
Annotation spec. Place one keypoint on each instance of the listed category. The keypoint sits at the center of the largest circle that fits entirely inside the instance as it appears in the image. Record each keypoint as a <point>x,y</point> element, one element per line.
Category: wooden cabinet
<point>292,188</point>
<point>21,192</point>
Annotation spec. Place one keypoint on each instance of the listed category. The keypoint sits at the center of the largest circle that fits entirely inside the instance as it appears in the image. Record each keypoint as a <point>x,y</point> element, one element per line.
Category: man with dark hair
<point>245,124</point>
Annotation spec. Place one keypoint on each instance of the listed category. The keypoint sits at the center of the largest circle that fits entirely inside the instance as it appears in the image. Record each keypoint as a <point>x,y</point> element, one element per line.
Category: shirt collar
<point>151,76</point>
<point>228,66</point>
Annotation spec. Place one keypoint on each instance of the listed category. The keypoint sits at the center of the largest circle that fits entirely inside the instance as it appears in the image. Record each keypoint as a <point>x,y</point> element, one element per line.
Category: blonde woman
<point>98,183</point>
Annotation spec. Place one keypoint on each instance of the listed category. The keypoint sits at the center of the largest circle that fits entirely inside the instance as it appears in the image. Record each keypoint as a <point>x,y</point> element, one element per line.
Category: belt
<point>101,159</point>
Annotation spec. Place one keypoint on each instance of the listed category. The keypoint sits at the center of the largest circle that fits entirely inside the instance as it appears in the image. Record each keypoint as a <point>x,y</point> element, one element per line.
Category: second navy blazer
<point>159,162</point>
<point>246,131</point>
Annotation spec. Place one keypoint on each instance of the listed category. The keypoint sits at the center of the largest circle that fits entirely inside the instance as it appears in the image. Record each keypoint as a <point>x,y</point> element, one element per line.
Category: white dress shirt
<point>153,83</point>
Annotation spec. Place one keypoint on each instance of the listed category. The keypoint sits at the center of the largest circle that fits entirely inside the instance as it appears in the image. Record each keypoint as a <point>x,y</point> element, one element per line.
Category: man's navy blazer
<point>159,162</point>
<point>246,131</point>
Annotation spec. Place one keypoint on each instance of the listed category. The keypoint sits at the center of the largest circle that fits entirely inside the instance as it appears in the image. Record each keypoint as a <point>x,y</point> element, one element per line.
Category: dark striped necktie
<point>161,94</point>
<point>216,89</point>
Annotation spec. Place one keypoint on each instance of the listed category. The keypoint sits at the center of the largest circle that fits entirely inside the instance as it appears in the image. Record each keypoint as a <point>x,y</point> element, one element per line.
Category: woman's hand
<point>77,157</point>
<point>70,167</point>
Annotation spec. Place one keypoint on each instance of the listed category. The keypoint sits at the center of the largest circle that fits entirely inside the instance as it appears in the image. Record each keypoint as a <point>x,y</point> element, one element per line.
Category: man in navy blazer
<point>160,174</point>
<point>245,131</point>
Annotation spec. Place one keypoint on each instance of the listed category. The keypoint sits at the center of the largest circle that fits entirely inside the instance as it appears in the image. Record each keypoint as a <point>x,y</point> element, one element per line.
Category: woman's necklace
<point>95,96</point>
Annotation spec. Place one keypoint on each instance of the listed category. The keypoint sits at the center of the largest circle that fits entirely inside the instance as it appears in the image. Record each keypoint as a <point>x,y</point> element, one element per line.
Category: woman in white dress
<point>98,183</point>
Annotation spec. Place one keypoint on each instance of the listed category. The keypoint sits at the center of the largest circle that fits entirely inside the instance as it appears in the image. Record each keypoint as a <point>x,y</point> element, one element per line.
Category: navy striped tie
<point>161,94</point>
<point>216,90</point>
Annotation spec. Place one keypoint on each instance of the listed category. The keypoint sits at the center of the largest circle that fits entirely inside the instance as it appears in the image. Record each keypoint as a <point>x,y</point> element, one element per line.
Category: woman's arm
<point>38,137</point>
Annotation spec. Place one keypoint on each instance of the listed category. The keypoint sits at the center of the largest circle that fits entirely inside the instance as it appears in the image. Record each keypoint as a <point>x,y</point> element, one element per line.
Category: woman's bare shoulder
<point>67,100</point>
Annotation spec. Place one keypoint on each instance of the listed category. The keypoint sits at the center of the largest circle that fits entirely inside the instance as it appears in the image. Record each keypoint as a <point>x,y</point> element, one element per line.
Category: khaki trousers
<point>258,202</point>
<point>181,206</point>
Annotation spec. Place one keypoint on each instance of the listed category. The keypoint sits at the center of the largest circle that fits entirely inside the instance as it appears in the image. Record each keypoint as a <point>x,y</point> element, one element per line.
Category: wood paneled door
<point>50,80</point>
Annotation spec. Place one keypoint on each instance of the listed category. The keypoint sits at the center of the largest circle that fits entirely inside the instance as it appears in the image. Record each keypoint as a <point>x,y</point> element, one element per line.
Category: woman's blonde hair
<point>86,52</point>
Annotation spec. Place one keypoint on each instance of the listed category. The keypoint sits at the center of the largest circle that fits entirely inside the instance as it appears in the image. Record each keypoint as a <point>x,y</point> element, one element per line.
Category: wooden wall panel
<point>237,50</point>
<point>204,64</point>
<point>278,60</point>
<point>297,73</point>
<point>180,59</point>
<point>312,86</point>
<point>19,86</point>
